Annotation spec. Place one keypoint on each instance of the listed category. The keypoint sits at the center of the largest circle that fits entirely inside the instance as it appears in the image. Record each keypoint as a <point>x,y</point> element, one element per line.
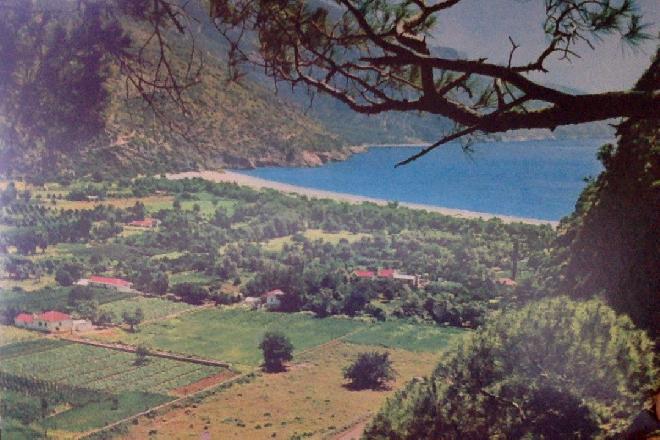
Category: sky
<point>480,28</point>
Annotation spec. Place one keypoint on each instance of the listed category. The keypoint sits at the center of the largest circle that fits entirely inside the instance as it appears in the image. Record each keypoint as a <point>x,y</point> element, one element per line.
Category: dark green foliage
<point>276,349</point>
<point>141,353</point>
<point>133,319</point>
<point>370,370</point>
<point>553,369</point>
<point>191,293</point>
<point>609,246</point>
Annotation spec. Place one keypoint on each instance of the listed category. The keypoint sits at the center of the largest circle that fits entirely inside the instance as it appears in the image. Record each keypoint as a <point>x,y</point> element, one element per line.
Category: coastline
<point>259,183</point>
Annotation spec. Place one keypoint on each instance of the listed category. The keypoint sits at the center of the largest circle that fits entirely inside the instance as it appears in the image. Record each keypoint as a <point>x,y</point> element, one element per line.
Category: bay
<point>532,179</point>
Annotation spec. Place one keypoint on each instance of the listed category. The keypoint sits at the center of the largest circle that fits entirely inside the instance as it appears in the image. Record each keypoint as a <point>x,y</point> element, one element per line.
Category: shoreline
<point>259,183</point>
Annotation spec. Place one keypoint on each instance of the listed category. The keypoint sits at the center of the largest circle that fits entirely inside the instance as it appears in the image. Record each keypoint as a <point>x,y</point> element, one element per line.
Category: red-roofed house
<point>508,282</point>
<point>386,273</point>
<point>23,320</point>
<point>51,321</point>
<point>109,283</point>
<point>148,223</point>
<point>273,299</point>
<point>364,274</point>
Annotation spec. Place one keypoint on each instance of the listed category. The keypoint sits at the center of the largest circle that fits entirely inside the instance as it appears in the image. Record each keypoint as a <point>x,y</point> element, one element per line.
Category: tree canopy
<point>375,57</point>
<point>553,369</point>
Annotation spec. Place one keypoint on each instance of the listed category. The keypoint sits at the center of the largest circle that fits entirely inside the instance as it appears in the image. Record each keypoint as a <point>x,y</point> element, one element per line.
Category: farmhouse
<point>273,299</point>
<point>507,282</point>
<point>109,283</point>
<point>51,321</point>
<point>147,223</point>
<point>364,274</point>
<point>252,302</point>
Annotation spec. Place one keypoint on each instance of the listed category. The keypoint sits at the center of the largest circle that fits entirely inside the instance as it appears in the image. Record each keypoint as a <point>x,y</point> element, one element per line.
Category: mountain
<point>238,124</point>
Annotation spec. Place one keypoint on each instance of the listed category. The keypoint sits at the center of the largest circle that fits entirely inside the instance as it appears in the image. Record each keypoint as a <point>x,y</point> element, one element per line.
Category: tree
<point>556,368</point>
<point>371,370</point>
<point>374,57</point>
<point>276,349</point>
<point>141,353</point>
<point>133,319</point>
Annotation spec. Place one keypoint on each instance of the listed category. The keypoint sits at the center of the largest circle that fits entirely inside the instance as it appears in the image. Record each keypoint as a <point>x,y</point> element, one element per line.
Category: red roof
<point>506,282</point>
<point>146,223</point>
<point>53,315</point>
<point>112,281</point>
<point>386,273</point>
<point>364,273</point>
<point>24,317</point>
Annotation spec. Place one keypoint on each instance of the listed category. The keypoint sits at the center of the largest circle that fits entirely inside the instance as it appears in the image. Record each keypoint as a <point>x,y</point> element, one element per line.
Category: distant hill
<point>243,125</point>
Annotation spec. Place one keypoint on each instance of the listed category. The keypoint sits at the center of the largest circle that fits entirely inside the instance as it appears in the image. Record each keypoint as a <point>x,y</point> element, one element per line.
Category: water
<point>534,179</point>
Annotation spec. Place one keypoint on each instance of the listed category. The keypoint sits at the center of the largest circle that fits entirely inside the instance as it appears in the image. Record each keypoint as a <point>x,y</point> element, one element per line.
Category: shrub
<point>371,370</point>
<point>276,349</point>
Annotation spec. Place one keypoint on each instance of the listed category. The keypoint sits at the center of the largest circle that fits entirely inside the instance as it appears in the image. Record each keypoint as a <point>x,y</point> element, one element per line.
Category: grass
<point>10,334</point>
<point>276,244</point>
<point>233,335</point>
<point>153,308</point>
<point>151,203</point>
<point>29,285</point>
<point>190,277</point>
<point>170,255</point>
<point>413,337</point>
<point>309,400</point>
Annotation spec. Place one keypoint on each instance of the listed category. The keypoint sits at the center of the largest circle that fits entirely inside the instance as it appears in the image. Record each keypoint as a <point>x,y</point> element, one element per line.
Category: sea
<point>539,179</point>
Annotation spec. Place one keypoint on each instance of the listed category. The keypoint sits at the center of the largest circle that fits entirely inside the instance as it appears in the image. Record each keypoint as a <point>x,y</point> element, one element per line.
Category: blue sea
<point>533,179</point>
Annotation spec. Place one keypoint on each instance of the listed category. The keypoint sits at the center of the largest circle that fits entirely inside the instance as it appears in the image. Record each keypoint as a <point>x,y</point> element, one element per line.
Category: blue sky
<point>482,27</point>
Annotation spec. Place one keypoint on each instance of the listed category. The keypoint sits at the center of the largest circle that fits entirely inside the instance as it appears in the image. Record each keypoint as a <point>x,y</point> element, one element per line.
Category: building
<point>507,282</point>
<point>411,280</point>
<point>51,321</point>
<point>387,273</point>
<point>273,299</point>
<point>252,302</point>
<point>109,283</point>
<point>364,274</point>
<point>81,325</point>
<point>147,223</point>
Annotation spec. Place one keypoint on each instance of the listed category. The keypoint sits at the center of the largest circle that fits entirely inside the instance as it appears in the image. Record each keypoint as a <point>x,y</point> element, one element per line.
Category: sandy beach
<point>257,183</point>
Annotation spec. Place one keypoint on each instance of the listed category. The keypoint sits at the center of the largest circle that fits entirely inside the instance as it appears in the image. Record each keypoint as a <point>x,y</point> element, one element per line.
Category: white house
<point>273,299</point>
<point>51,321</point>
<point>252,302</point>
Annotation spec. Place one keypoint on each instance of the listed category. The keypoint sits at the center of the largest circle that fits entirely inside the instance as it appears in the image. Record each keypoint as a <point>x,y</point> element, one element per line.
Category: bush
<point>553,369</point>
<point>276,349</point>
<point>371,370</point>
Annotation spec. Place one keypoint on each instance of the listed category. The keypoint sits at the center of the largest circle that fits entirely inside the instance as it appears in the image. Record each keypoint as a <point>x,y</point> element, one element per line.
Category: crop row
<point>104,369</point>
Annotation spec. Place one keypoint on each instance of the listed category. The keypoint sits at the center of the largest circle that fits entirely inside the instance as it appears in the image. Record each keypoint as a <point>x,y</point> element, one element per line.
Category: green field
<point>276,244</point>
<point>152,308</point>
<point>401,334</point>
<point>190,277</point>
<point>233,335</point>
<point>92,385</point>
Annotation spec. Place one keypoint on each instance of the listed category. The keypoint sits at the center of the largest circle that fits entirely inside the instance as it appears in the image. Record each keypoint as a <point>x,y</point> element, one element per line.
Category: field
<point>190,277</point>
<point>233,335</point>
<point>309,400</point>
<point>276,244</point>
<point>153,308</point>
<point>91,386</point>
<point>10,334</point>
<point>412,337</point>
